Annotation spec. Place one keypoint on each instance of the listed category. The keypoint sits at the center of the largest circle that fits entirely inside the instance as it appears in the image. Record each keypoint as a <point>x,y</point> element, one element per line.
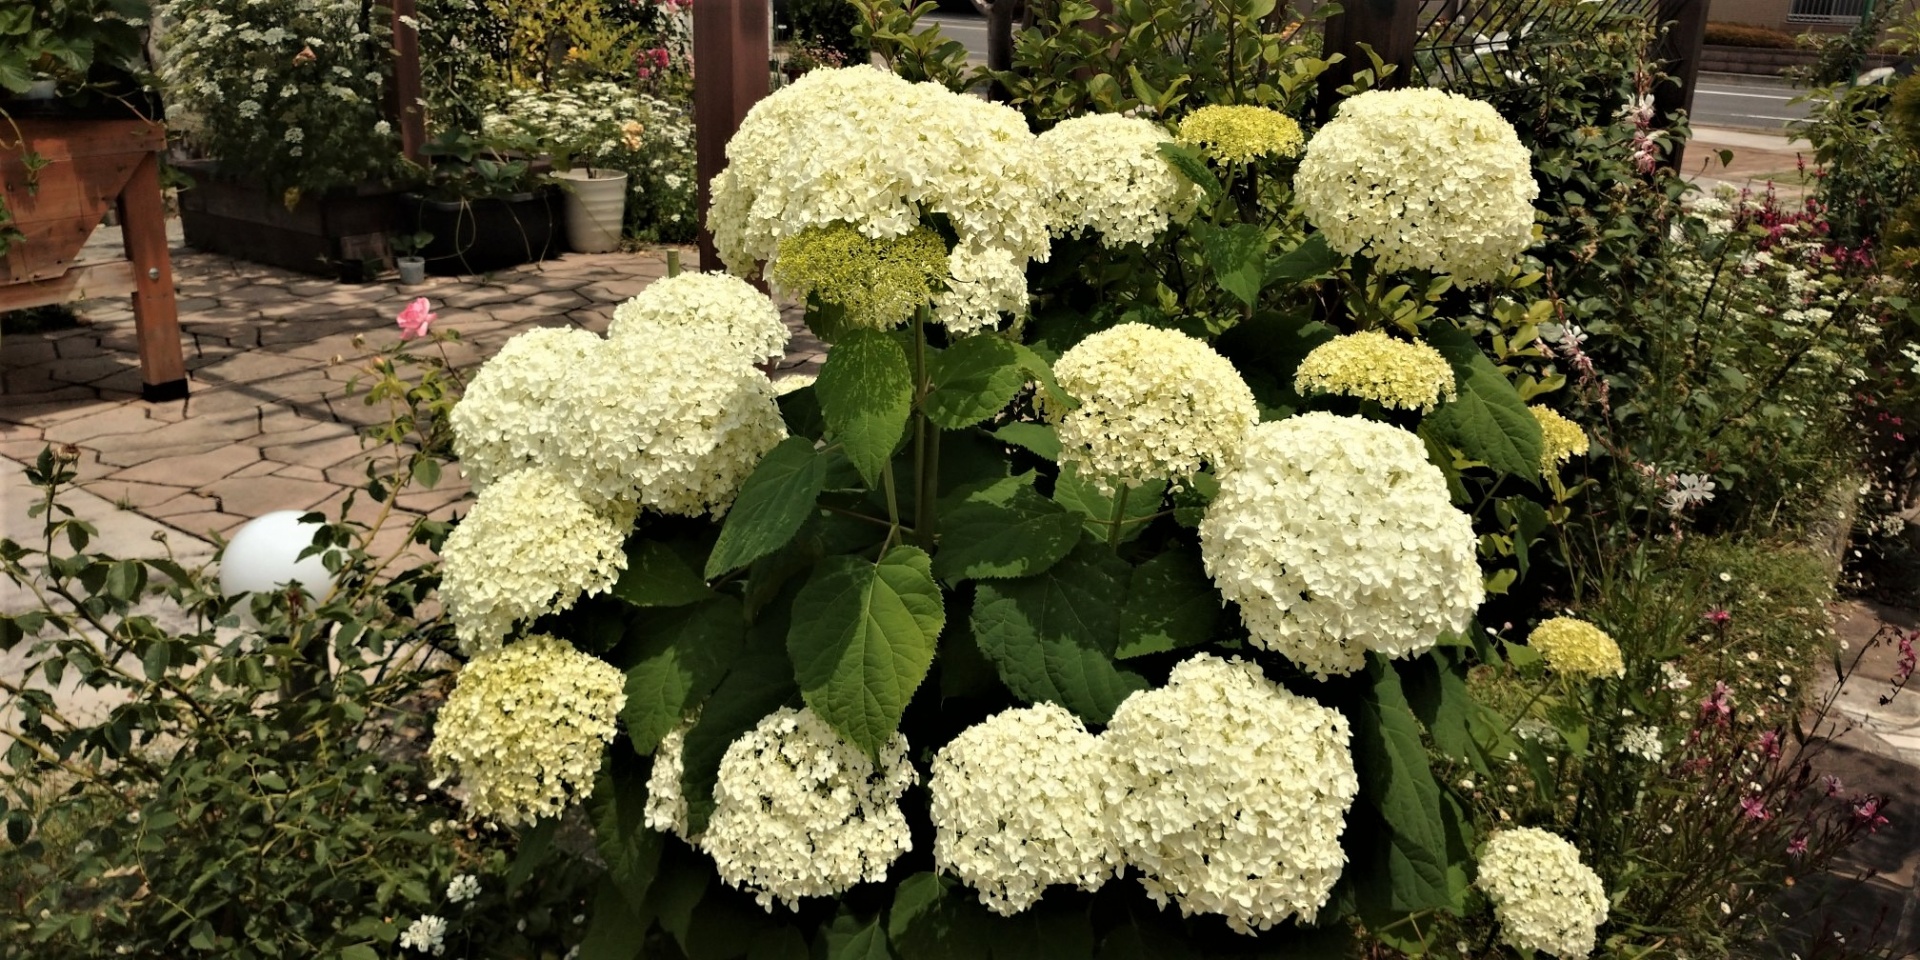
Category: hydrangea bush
<point>995,631</point>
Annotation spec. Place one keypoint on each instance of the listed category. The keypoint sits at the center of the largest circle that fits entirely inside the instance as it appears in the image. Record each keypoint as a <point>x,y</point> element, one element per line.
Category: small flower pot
<point>596,206</point>
<point>412,270</point>
<point>41,90</point>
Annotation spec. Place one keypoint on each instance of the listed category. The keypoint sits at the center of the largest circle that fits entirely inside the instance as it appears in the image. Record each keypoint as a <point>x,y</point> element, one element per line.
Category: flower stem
<point>926,451</point>
<point>1119,514</point>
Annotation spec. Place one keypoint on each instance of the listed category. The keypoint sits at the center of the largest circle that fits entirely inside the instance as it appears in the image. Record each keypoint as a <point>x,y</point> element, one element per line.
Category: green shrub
<point>829,24</point>
<point>1748,35</point>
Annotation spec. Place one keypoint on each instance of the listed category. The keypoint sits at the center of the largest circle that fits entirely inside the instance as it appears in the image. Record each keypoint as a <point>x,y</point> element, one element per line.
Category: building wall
<point>1766,13</point>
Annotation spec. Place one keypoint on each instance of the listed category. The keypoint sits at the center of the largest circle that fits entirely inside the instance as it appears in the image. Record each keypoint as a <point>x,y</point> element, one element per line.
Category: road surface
<point>1722,100</point>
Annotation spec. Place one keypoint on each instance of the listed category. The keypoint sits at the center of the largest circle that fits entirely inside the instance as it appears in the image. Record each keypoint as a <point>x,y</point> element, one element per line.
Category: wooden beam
<point>406,91</point>
<point>143,225</point>
<point>1679,47</point>
<point>732,47</point>
<point>1390,27</point>
<point>85,281</point>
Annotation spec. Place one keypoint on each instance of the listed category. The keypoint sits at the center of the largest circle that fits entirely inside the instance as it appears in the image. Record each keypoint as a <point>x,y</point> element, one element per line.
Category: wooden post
<point>1388,26</point>
<point>731,52</point>
<point>1679,48</point>
<point>405,92</point>
<point>156,322</point>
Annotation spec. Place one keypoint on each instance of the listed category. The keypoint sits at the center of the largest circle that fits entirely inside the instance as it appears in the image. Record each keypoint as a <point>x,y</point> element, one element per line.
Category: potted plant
<point>281,100</point>
<point>80,49</point>
<point>483,206</point>
<point>407,258</point>
<point>592,132</point>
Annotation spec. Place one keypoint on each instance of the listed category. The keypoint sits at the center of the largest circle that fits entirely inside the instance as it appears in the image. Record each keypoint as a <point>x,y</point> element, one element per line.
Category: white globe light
<point>264,554</point>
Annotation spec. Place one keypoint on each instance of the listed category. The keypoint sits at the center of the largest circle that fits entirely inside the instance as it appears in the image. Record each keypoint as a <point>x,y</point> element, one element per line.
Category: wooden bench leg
<point>143,223</point>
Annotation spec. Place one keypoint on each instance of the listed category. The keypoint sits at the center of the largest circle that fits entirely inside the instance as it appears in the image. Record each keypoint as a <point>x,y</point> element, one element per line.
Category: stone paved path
<point>268,424</point>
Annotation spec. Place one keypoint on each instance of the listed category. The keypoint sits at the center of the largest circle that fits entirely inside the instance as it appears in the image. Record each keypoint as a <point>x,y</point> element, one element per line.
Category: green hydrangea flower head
<point>1231,133</point>
<point>1560,439</point>
<point>879,282</point>
<point>1577,648</point>
<point>1373,366</point>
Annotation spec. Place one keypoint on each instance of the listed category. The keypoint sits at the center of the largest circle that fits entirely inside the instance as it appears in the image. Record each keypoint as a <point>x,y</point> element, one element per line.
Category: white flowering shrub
<point>283,90</point>
<point>727,312</point>
<point>1543,896</point>
<point>1336,537</point>
<point>1113,180</point>
<point>1230,794</point>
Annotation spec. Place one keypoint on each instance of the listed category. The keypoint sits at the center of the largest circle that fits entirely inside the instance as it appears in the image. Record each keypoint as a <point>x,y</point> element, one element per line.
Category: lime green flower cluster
<point>1577,648</point>
<point>1560,439</point>
<point>878,282</point>
<point>1373,366</point>
<point>1238,134</point>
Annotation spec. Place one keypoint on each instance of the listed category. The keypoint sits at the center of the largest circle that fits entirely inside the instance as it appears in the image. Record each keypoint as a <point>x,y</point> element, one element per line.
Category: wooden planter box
<point>326,235</point>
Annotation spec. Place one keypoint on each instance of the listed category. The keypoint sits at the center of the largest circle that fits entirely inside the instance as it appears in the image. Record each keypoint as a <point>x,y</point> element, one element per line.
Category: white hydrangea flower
<point>666,809</point>
<point>1336,536</point>
<point>726,311</point>
<point>1018,806</point>
<point>1113,180</point>
<point>1420,179</point>
<point>529,546</point>
<point>799,812</point>
<point>426,935</point>
<point>525,728</point>
<point>1154,404</point>
<point>861,146</point>
<point>1230,793</point>
<point>665,421</point>
<point>1543,896</point>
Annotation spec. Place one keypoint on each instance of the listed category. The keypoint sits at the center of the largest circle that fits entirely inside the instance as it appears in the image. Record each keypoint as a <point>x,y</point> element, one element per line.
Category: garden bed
<point>324,235</point>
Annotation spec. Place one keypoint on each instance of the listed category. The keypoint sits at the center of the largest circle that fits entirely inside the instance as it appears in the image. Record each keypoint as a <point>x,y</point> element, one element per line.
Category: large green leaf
<point>1004,530</point>
<point>862,640</point>
<point>683,654</point>
<point>657,577</point>
<point>760,682</point>
<point>850,939</point>
<point>1052,636</point>
<point>1190,164</point>
<point>618,808</point>
<point>1037,438</point>
<point>1170,605</point>
<point>1312,259</point>
<point>1237,255</point>
<point>1082,497</point>
<point>1436,688</point>
<point>933,918</point>
<point>1396,778</point>
<point>772,505</point>
<point>866,393</point>
<point>1488,421</point>
<point>973,380</point>
<point>617,931</point>
<point>1529,523</point>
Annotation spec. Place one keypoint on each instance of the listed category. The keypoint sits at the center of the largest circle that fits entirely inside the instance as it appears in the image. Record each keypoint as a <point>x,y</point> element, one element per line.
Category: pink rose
<point>415,319</point>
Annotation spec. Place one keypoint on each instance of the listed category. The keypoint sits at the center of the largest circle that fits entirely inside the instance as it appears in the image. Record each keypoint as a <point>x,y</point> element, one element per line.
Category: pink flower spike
<point>1718,616</point>
<point>416,319</point>
<point>1755,808</point>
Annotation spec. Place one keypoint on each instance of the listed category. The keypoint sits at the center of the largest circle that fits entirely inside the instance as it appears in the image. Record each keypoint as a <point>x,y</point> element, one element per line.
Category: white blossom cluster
<point>1543,896</point>
<point>1336,536</point>
<point>1113,180</point>
<point>666,422</point>
<point>666,809</point>
<point>799,812</point>
<point>426,934</point>
<point>1644,742</point>
<point>1154,404</point>
<point>1018,806</point>
<point>1420,179</point>
<point>861,146</point>
<point>525,728</point>
<point>1230,793</point>
<point>730,314</point>
<point>590,120</point>
<point>529,546</point>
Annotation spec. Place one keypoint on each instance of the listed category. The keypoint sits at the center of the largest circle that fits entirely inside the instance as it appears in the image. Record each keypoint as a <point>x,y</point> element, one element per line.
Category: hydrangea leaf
<point>778,943</point>
<point>1397,779</point>
<point>1238,257</point>
<point>618,809</point>
<point>1190,164</point>
<point>1312,259</point>
<point>1052,636</point>
<point>1005,530</point>
<point>862,640</point>
<point>866,392</point>
<point>973,380</point>
<point>1038,439</point>
<point>1170,605</point>
<point>683,654</point>
<point>617,931</point>
<point>657,577</point>
<point>773,503</point>
<point>760,682</point>
<point>932,920</point>
<point>1083,498</point>
<point>850,939</point>
<point>1436,687</point>
<point>1488,421</point>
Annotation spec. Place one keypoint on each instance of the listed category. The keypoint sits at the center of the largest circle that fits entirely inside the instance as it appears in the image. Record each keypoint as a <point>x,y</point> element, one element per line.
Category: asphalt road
<point>1723,100</point>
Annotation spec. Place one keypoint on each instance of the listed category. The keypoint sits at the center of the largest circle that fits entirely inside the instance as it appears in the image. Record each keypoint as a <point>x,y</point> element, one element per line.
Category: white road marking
<point>1757,96</point>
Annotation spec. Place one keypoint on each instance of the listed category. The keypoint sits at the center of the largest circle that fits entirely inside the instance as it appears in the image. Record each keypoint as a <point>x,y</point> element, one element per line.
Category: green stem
<point>926,453</point>
<point>1119,512</point>
<point>893,506</point>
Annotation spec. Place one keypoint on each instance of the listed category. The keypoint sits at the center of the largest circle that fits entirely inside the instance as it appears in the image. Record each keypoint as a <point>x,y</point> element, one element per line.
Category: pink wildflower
<point>1718,616</point>
<point>1832,783</point>
<point>1797,846</point>
<point>1866,813</point>
<point>1719,706</point>
<point>1770,744</point>
<point>416,319</point>
<point>1755,808</point>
